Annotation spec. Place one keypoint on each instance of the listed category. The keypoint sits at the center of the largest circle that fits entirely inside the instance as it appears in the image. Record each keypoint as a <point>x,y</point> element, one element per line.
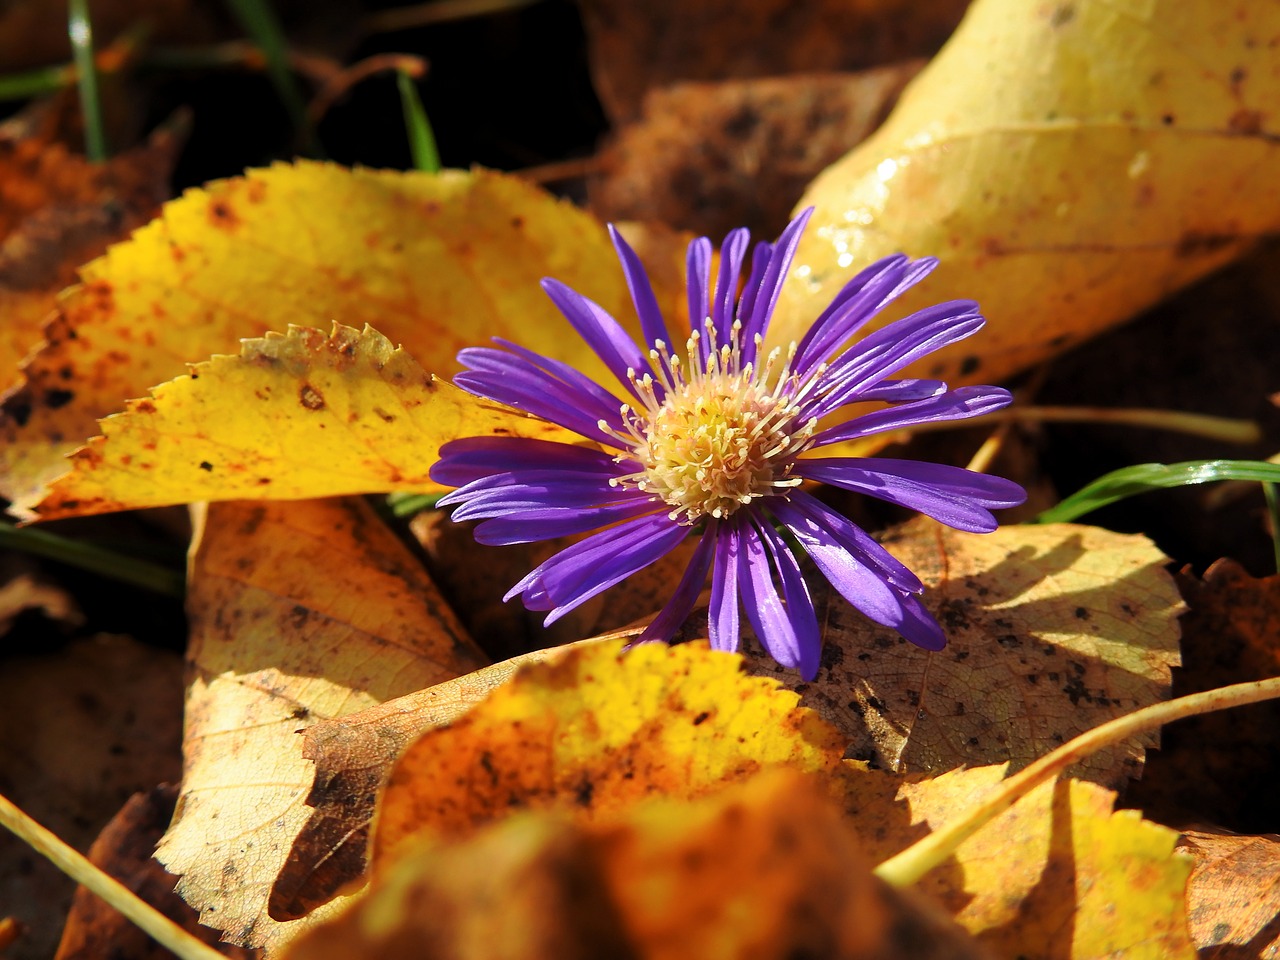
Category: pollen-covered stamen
<point>721,434</point>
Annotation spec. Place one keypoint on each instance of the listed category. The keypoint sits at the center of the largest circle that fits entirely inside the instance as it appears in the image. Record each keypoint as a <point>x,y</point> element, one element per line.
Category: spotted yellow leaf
<point>433,261</point>
<point>1059,875</point>
<point>595,731</point>
<point>293,416</point>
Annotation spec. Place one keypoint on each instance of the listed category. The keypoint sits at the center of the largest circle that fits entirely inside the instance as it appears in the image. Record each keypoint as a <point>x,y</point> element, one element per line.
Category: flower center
<point>720,437</point>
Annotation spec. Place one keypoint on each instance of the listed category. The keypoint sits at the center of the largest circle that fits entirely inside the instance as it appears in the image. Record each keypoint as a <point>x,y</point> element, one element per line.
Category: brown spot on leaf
<point>1246,123</point>
<point>310,397</point>
<point>53,399</point>
<point>222,215</point>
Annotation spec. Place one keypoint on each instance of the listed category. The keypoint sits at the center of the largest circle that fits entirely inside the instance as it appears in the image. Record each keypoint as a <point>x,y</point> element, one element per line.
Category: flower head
<point>715,440</point>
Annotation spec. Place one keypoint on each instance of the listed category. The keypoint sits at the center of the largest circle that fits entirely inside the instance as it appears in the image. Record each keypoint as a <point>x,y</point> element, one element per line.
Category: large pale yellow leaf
<point>595,731</point>
<point>1051,630</point>
<point>1071,163</point>
<point>293,416</point>
<point>1059,875</point>
<point>300,612</point>
<point>435,262</point>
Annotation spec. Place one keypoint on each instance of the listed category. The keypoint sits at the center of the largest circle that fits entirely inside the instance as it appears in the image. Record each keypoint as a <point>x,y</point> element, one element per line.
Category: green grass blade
<point>81,32</point>
<point>422,142</point>
<point>407,504</point>
<point>35,83</point>
<point>1129,481</point>
<point>99,560</point>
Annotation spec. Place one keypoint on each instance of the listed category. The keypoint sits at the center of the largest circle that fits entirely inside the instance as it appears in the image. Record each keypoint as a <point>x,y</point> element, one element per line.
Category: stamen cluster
<point>713,440</point>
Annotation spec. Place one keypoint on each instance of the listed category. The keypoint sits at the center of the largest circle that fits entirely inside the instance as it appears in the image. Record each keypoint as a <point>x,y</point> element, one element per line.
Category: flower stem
<point>422,142</point>
<point>913,863</point>
<point>155,924</point>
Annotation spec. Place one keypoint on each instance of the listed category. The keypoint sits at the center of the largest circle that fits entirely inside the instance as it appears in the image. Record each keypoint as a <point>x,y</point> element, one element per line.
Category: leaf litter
<point>321,650</point>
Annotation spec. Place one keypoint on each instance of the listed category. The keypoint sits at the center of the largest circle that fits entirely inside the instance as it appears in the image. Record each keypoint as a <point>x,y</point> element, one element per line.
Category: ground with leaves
<point>322,733</point>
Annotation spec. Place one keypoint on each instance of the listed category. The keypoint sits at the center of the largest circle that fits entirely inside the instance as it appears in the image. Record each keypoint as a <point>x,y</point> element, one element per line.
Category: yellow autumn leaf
<point>1051,630</point>
<point>765,868</point>
<point>293,416</point>
<point>300,612</point>
<point>1059,875</point>
<point>433,261</point>
<point>595,731</point>
<point>1070,163</point>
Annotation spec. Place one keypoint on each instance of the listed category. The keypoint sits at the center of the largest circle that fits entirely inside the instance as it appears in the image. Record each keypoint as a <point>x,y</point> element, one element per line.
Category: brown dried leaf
<point>300,612</point>
<point>1051,631</point>
<point>710,157</point>
<point>353,755</point>
<point>1233,897</point>
<point>60,211</point>
<point>1221,767</point>
<point>80,732</point>
<point>124,851</point>
<point>635,48</point>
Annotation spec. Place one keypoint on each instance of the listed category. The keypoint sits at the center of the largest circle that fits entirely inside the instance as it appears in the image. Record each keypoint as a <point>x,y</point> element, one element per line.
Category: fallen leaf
<point>1060,875</point>
<point>635,48</point>
<point>1233,899</point>
<point>1221,767</point>
<point>124,851</point>
<point>595,731</point>
<point>293,416</point>
<point>60,211</point>
<point>81,731</point>
<point>711,157</point>
<point>1070,163</point>
<point>353,755</point>
<point>437,262</point>
<point>1051,631</point>
<point>299,612</point>
<point>764,868</point>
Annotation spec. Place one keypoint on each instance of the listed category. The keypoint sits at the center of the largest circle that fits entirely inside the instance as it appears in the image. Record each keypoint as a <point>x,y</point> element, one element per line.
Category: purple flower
<point>716,441</point>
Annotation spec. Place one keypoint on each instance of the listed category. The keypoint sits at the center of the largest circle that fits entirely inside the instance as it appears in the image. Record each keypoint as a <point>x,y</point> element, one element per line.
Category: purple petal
<point>903,391</point>
<point>893,347</point>
<point>957,497</point>
<point>698,282</point>
<point>652,326</point>
<point>680,605</point>
<point>861,299</point>
<point>786,625</point>
<point>732,252</point>
<point>510,379</point>
<point>473,458</point>
<point>529,526</point>
<point>919,626</point>
<point>959,404</point>
<point>723,628</point>
<point>843,563</point>
<point>506,493</point>
<point>763,298</point>
<point>850,536</point>
<point>591,566</point>
<point>602,333</point>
